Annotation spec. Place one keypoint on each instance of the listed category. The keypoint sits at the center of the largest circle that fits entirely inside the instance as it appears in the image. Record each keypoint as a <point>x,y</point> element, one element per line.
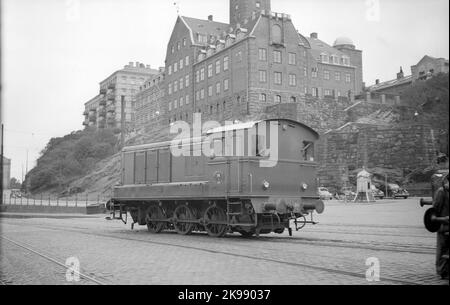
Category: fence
<point>41,200</point>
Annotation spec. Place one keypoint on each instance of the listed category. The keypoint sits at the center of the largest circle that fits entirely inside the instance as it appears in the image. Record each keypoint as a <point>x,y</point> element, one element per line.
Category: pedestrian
<point>442,216</point>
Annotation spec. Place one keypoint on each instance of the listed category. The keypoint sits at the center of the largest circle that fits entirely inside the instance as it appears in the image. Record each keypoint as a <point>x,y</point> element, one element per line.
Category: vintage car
<point>324,193</point>
<point>395,191</point>
<point>377,193</point>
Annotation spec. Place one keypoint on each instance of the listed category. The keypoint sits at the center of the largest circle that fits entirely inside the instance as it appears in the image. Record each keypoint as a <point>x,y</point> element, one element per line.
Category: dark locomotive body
<point>228,191</point>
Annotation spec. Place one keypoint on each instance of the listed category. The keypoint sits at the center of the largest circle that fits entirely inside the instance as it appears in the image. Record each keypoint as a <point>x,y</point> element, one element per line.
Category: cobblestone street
<point>333,252</point>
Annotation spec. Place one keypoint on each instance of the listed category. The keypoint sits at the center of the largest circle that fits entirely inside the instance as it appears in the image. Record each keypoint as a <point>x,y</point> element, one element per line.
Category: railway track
<point>360,275</point>
<point>49,258</point>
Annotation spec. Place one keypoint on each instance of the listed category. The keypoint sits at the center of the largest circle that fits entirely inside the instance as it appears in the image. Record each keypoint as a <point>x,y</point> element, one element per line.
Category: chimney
<point>210,18</point>
<point>377,82</point>
<point>400,75</point>
<point>130,64</point>
<point>314,35</point>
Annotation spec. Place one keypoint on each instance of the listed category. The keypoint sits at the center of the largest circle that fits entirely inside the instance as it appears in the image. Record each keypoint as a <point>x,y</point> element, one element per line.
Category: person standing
<point>441,204</point>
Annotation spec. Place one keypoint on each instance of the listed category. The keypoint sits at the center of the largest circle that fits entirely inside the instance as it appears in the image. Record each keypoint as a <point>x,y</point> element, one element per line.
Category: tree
<point>15,184</point>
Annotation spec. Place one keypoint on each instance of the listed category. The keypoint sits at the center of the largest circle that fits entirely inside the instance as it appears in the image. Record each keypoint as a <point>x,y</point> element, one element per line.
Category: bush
<point>70,157</point>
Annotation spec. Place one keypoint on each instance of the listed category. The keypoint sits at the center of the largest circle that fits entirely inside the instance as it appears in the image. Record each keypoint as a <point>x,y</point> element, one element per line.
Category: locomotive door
<point>235,166</point>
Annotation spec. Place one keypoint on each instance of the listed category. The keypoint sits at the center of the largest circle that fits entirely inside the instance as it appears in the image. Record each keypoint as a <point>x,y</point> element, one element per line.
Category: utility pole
<point>1,168</point>
<point>122,122</point>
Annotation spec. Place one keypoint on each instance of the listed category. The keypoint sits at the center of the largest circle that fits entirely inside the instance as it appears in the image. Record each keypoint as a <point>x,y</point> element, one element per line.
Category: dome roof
<point>343,41</point>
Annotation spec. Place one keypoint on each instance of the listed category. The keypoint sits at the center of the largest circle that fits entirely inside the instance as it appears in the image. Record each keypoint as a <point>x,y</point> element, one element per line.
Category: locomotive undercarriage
<point>217,218</point>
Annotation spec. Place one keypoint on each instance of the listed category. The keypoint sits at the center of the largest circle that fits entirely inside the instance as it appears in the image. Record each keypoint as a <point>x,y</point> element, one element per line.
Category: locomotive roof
<point>248,125</point>
<point>239,126</point>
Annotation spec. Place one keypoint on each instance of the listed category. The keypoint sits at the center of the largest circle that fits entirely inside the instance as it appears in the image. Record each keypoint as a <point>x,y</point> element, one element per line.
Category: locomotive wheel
<point>154,213</point>
<point>215,221</point>
<point>183,213</point>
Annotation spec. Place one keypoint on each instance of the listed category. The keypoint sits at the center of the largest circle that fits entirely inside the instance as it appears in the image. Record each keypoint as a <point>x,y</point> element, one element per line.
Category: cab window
<point>308,151</point>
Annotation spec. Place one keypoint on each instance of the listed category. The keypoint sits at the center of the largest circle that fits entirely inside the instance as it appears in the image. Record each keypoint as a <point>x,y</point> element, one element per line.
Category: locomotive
<point>252,178</point>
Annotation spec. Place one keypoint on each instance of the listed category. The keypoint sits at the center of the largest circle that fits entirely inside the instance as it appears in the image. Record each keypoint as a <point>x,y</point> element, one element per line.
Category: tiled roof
<point>391,83</point>
<point>205,26</point>
<point>318,47</point>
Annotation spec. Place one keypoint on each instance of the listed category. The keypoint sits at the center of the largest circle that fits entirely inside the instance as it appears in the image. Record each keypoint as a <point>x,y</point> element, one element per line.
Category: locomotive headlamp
<point>304,186</point>
<point>266,185</point>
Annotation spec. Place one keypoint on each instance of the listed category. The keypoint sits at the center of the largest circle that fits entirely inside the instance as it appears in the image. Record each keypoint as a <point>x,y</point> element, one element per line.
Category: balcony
<point>111,97</point>
<point>102,102</point>
<point>85,113</point>
<point>111,121</point>
<point>112,86</point>
<point>102,113</point>
<point>103,91</point>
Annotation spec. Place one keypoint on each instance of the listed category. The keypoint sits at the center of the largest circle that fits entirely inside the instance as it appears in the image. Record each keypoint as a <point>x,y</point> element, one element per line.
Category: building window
<point>263,98</point>
<point>239,56</point>
<point>262,54</point>
<point>178,46</point>
<point>181,102</point>
<point>348,78</point>
<point>327,92</point>
<point>278,99</point>
<point>293,99</point>
<point>175,86</point>
<point>226,84</point>
<point>187,100</point>
<point>278,76</point>
<point>218,89</point>
<point>210,91</point>
<point>218,67</point>
<point>314,73</point>
<point>202,74</point>
<point>202,94</point>
<point>276,34</point>
<point>173,49</point>
<point>326,75</point>
<point>262,76</point>
<point>186,81</point>
<point>337,76</point>
<point>184,42</point>
<point>170,106</point>
<point>277,57</point>
<point>170,70</point>
<point>197,95</point>
<point>315,92</point>
<point>292,80</point>
<point>175,104</point>
<point>202,38</point>
<point>186,61</point>
<point>175,67</point>
<point>197,76</point>
<point>292,59</point>
<point>258,4</point>
<point>170,89</point>
<point>225,63</point>
<point>210,70</point>
<point>346,61</point>
<point>305,72</point>
<point>181,64</point>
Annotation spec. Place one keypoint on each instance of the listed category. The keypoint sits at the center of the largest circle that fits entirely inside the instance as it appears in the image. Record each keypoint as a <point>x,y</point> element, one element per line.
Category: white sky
<point>55,52</point>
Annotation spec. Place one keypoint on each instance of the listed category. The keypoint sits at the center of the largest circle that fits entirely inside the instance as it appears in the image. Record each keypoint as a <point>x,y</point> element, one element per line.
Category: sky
<point>55,52</point>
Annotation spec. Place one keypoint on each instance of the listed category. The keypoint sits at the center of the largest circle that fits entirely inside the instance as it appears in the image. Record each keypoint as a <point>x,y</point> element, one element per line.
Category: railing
<point>41,200</point>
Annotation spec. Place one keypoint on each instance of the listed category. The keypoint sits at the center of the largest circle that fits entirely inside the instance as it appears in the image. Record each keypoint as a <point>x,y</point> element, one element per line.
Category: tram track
<point>360,275</point>
<point>49,258</point>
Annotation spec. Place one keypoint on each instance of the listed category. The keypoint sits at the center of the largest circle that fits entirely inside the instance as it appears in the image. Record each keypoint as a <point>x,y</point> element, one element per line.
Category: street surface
<point>34,251</point>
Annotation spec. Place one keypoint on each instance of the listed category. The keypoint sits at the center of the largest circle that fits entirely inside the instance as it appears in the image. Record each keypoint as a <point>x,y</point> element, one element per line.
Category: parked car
<point>324,193</point>
<point>16,194</point>
<point>378,194</point>
<point>346,193</point>
<point>395,191</point>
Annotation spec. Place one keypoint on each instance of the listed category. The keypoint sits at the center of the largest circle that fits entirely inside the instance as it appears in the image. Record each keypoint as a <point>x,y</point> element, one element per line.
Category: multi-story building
<point>116,97</point>
<point>259,59</point>
<point>147,107</point>
<point>425,69</point>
